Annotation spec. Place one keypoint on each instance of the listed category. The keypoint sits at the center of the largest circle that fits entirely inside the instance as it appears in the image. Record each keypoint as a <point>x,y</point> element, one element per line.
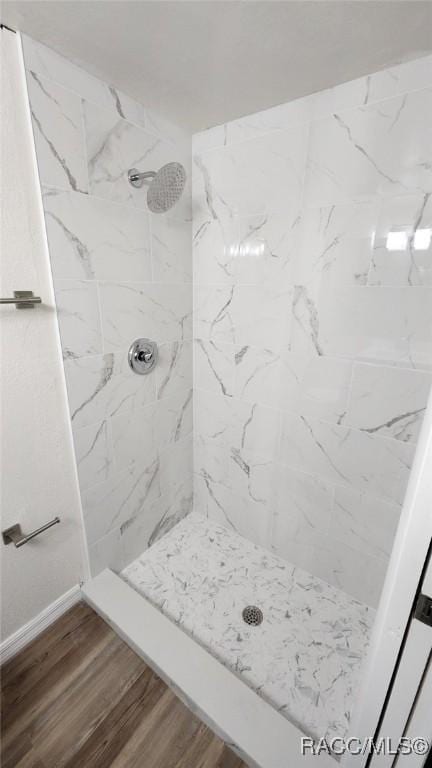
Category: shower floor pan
<point>304,657</point>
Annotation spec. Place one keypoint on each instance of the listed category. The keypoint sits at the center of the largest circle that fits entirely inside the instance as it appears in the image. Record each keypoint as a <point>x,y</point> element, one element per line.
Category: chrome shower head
<point>165,187</point>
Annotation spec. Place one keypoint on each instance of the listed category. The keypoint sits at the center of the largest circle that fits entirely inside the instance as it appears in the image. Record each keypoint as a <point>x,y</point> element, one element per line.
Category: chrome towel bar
<point>23,300</point>
<point>14,534</point>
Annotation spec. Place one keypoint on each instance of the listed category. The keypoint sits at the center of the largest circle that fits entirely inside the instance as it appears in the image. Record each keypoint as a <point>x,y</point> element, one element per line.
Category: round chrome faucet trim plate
<point>142,356</point>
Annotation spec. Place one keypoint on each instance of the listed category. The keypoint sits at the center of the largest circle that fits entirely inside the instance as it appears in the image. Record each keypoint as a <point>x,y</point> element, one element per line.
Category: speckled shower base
<point>304,658</point>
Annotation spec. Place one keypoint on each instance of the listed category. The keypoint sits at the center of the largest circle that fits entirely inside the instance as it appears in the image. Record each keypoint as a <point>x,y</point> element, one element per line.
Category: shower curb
<point>250,726</point>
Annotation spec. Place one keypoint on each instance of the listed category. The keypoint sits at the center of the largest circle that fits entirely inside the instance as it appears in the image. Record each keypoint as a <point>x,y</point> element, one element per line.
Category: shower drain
<point>252,615</point>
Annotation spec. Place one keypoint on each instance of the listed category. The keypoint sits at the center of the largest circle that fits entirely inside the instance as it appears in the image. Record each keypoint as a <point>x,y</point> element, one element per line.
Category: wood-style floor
<point>79,697</point>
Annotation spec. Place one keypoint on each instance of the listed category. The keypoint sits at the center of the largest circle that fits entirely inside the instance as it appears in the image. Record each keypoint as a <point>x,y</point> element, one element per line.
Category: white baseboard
<point>16,642</point>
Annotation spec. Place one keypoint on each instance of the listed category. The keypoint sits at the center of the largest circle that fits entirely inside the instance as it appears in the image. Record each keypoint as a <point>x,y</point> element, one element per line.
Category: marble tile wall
<point>312,312</point>
<point>119,273</point>
<point>312,264</point>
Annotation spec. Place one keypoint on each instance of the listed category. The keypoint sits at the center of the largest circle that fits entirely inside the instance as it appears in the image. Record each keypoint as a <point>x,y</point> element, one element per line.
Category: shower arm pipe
<point>145,176</point>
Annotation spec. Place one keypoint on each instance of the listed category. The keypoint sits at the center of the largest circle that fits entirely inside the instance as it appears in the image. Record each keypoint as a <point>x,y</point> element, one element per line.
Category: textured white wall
<point>37,465</point>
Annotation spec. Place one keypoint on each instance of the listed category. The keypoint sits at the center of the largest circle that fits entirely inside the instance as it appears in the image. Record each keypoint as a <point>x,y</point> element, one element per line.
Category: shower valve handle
<point>144,356</point>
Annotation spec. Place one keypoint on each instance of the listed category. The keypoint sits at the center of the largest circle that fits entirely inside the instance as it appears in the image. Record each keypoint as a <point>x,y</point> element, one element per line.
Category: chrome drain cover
<point>252,615</point>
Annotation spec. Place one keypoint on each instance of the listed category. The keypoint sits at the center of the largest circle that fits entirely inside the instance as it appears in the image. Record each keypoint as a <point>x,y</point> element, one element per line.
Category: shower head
<point>165,186</point>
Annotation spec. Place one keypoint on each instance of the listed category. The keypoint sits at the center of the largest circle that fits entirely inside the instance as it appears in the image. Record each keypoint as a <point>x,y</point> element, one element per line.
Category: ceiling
<point>203,63</point>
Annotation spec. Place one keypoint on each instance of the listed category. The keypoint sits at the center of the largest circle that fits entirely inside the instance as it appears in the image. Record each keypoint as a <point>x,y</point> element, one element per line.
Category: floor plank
<point>79,696</point>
